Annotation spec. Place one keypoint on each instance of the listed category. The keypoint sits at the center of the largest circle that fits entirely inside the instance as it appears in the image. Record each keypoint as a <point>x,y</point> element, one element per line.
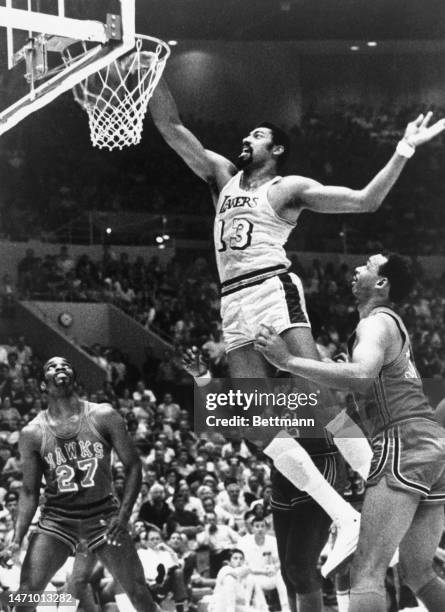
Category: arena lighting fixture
<point>159,239</point>
<point>354,47</point>
<point>166,237</point>
<point>172,43</point>
<point>371,43</point>
<point>108,230</point>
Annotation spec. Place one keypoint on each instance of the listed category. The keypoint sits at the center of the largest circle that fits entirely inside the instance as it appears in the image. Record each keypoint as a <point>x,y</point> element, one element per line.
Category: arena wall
<point>251,81</point>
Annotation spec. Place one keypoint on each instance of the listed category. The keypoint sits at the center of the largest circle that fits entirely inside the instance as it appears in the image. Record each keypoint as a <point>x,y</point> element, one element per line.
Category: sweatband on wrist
<point>405,149</point>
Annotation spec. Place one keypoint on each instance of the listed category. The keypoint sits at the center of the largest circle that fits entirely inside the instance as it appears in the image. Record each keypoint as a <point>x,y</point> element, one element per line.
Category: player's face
<point>58,372</point>
<point>257,146</point>
<point>366,277</point>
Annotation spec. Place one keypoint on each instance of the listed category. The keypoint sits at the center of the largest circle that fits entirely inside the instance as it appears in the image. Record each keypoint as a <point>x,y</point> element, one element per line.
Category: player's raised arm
<point>211,167</point>
<point>367,360</point>
<point>329,199</point>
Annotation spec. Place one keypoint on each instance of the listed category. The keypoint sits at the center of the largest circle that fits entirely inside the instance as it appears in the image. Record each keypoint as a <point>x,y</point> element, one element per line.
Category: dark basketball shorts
<point>277,301</point>
<point>285,496</point>
<point>71,530</point>
<point>411,457</point>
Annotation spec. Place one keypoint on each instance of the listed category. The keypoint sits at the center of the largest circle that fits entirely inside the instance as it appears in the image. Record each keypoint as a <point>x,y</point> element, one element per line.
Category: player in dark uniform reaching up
<point>69,444</point>
<point>405,493</point>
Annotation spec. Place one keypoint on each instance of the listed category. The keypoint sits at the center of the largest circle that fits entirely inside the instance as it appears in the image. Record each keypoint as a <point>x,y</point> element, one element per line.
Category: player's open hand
<point>116,531</point>
<point>274,349</point>
<point>193,362</point>
<point>420,131</point>
<point>9,556</point>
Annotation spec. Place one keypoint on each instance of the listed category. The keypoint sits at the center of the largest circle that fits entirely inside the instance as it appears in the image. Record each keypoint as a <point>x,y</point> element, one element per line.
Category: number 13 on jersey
<point>238,237</point>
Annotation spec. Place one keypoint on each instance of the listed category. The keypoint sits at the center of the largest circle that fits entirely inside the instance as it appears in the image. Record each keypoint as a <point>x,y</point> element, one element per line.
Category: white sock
<point>296,465</point>
<point>123,603</point>
<point>342,601</point>
<point>351,442</point>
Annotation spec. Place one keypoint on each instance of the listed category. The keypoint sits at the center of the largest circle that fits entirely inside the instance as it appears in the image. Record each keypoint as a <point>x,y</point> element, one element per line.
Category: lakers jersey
<point>396,394</point>
<point>77,468</point>
<point>249,235</point>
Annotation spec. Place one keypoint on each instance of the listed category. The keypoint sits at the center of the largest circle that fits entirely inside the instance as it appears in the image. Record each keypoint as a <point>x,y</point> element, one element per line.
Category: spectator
<point>236,589</point>
<point>219,539</point>
<point>261,555</point>
<point>155,510</point>
<point>169,409</point>
<point>142,392</point>
<point>15,368</point>
<point>163,570</point>
<point>182,520</point>
<point>231,500</point>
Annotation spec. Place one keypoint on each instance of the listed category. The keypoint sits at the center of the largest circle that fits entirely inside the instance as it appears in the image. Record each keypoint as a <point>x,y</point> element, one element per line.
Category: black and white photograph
<point>222,305</point>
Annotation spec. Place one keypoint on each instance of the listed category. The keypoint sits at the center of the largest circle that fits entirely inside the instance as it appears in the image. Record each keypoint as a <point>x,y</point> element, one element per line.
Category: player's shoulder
<point>31,433</point>
<point>291,186</point>
<point>376,324</point>
<point>293,181</point>
<point>103,411</point>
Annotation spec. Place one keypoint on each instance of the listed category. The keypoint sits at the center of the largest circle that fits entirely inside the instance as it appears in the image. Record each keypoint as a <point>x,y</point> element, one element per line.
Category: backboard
<point>49,46</point>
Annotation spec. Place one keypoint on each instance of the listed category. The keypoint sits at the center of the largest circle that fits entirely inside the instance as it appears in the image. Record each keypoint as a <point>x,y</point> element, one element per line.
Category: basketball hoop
<point>116,97</point>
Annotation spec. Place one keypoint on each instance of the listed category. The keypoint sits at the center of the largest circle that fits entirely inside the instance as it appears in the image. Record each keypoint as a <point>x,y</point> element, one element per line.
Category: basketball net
<point>116,97</point>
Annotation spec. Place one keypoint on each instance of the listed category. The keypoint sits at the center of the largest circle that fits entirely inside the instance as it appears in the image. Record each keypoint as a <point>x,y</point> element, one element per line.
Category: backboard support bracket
<point>114,38</point>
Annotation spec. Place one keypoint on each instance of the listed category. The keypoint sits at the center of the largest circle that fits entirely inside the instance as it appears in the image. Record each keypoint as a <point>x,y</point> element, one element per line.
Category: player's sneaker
<point>344,547</point>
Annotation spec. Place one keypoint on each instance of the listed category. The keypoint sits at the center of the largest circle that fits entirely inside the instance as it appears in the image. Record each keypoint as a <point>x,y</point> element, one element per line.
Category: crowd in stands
<point>344,146</point>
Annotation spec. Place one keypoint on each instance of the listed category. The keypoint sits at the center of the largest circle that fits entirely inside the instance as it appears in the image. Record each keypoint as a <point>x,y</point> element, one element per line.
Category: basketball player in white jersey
<point>405,492</point>
<point>70,445</point>
<point>256,209</point>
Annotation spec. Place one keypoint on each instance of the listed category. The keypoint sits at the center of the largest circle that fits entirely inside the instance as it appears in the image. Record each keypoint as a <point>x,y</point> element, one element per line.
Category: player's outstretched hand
<point>10,555</point>
<point>274,349</point>
<point>116,531</point>
<point>419,131</point>
<point>193,362</point>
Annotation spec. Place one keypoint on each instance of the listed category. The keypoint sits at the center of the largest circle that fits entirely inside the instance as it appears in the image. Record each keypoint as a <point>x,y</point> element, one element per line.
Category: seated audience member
<point>142,392</point>
<point>219,539</point>
<point>163,570</point>
<point>192,503</point>
<point>231,500</point>
<point>236,589</point>
<point>222,516</point>
<point>155,510</point>
<point>182,520</point>
<point>169,410</point>
<point>261,555</point>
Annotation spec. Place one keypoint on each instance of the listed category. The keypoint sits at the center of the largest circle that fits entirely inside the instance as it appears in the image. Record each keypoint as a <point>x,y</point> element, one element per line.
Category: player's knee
<point>371,576</point>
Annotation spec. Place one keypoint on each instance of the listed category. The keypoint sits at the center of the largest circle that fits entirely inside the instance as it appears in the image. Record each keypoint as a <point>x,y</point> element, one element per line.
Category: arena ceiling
<point>293,19</point>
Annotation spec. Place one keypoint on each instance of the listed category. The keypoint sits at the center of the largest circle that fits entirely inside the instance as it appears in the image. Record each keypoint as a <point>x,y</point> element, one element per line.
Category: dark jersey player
<point>405,492</point>
<point>69,444</point>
